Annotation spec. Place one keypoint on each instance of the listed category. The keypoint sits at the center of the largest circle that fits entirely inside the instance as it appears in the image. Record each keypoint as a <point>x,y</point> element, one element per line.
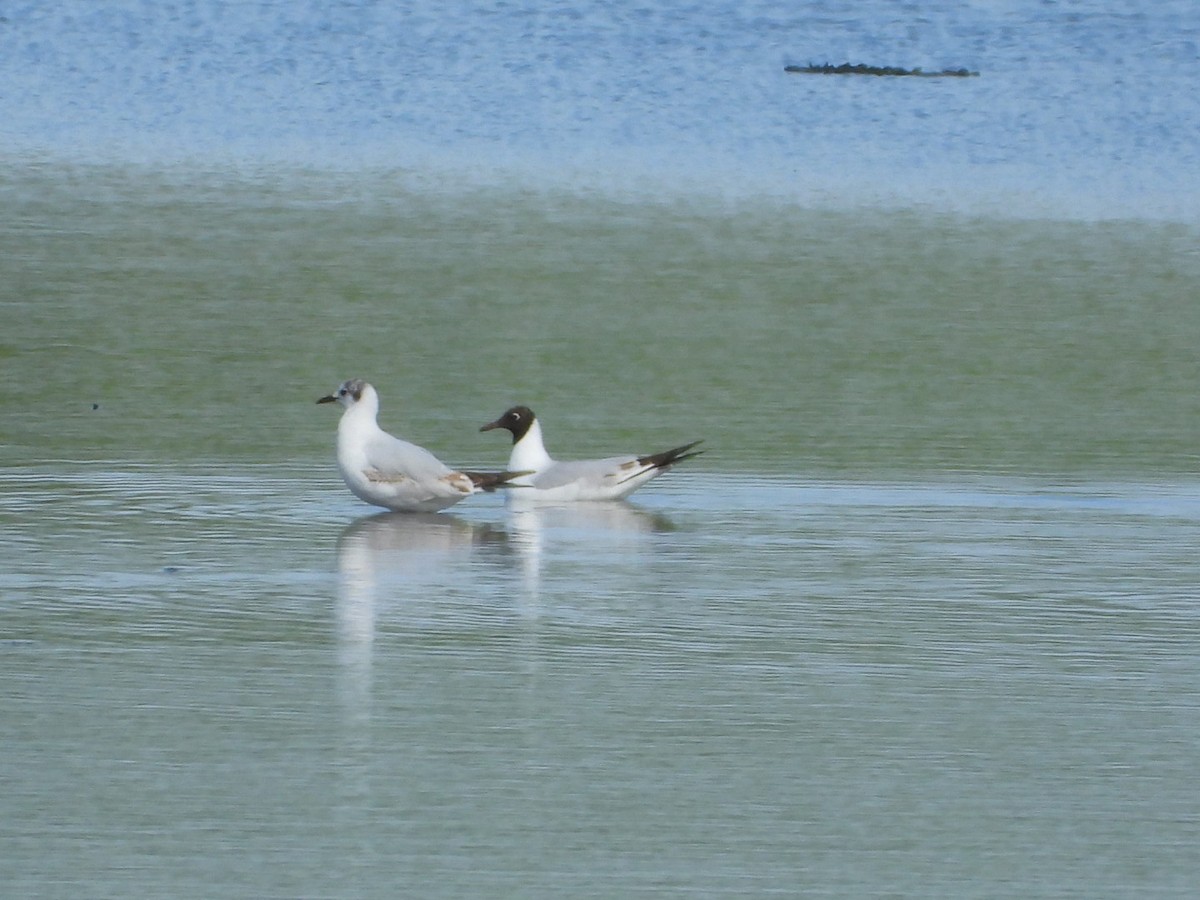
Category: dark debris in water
<point>862,69</point>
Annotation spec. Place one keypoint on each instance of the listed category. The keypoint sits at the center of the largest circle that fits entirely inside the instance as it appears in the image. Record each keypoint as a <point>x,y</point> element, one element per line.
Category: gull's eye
<point>341,392</point>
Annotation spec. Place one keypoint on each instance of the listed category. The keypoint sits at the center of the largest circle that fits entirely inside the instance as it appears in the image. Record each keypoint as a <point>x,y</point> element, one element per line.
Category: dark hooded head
<point>518,420</point>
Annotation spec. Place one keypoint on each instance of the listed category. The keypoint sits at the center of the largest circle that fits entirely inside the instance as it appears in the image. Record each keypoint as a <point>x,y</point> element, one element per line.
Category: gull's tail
<point>666,459</point>
<point>669,457</point>
<point>489,481</point>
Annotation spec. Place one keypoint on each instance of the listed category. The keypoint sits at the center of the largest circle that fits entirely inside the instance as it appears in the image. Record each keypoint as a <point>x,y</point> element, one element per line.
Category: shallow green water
<point>921,623</point>
<point>202,316</point>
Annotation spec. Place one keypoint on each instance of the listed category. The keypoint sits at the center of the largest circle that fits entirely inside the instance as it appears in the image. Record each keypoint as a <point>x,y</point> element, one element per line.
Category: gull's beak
<point>489,426</point>
<point>329,398</point>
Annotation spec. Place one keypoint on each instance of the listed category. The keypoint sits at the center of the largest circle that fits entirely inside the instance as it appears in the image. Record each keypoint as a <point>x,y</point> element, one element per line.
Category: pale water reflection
<point>599,530</point>
<point>391,561</point>
<point>734,684</point>
<point>386,551</point>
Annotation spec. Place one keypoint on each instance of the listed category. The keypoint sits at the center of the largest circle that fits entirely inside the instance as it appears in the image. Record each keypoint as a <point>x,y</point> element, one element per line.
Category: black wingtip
<point>490,481</point>
<point>669,457</point>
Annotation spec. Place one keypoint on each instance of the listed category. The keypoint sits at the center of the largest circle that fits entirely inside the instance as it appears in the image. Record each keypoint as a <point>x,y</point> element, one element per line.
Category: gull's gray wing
<point>590,472</point>
<point>393,458</point>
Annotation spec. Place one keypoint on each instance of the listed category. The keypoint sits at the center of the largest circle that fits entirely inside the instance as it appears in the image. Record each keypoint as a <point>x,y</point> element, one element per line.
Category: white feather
<point>384,470</point>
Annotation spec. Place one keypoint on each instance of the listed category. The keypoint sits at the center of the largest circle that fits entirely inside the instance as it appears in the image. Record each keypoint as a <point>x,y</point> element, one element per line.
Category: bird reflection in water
<point>538,531</point>
<point>390,555</point>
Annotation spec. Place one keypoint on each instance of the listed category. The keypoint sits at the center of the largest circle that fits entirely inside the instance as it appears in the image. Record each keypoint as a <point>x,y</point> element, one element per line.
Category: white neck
<point>362,415</point>
<point>529,454</point>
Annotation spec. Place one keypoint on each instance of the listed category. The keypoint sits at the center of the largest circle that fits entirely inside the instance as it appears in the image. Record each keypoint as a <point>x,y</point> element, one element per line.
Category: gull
<point>613,478</point>
<point>388,472</point>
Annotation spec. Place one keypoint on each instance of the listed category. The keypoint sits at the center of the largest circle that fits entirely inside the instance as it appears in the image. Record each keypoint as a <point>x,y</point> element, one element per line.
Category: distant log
<point>861,69</point>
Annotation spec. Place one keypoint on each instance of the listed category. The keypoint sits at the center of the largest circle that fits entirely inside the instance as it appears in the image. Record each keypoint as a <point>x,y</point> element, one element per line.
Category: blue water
<point>1082,109</point>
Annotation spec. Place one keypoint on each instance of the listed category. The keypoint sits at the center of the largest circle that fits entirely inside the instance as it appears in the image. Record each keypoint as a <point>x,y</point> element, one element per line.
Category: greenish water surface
<point>202,315</point>
<point>922,622</point>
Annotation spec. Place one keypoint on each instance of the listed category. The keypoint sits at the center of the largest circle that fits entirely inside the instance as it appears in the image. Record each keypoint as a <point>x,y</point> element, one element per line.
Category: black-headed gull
<point>392,473</point>
<point>613,478</point>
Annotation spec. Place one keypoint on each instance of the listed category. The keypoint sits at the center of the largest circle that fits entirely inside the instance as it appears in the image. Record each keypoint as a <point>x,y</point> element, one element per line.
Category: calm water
<point>922,622</point>
<point>1082,108</point>
<point>234,684</point>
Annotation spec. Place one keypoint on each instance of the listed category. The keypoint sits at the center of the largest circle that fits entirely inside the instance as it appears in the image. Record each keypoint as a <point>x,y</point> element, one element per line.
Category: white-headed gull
<point>392,473</point>
<point>612,478</point>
